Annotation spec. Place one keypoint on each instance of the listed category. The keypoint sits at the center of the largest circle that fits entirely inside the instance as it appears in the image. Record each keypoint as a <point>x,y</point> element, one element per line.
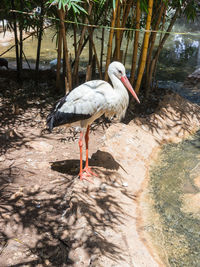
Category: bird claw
<point>89,172</point>
<point>83,176</point>
<point>85,173</point>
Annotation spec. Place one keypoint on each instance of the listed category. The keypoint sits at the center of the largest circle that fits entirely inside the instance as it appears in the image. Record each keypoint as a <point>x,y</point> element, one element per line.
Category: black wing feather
<point>57,118</point>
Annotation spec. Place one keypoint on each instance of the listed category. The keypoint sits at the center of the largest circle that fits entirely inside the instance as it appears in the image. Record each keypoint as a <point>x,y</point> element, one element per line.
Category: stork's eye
<point>120,71</point>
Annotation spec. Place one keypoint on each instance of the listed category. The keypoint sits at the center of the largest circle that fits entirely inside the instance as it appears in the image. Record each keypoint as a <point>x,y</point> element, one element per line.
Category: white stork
<point>89,101</point>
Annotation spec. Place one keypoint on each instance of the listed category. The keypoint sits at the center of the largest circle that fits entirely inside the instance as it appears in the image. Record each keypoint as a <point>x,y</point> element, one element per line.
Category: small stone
<point>16,195</point>
<point>40,146</point>
<point>125,184</point>
<point>35,189</point>
<point>197,181</point>
<point>2,158</point>
<point>103,187</point>
<point>5,216</point>
<point>79,256</point>
<point>116,184</point>
<point>47,262</point>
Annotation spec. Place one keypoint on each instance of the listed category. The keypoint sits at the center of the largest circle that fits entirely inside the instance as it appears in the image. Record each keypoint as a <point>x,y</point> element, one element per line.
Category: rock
<point>35,189</point>
<point>103,187</point>
<point>17,195</point>
<point>41,146</point>
<point>80,257</point>
<point>191,204</point>
<point>125,184</point>
<point>2,158</point>
<point>197,181</point>
<point>42,165</point>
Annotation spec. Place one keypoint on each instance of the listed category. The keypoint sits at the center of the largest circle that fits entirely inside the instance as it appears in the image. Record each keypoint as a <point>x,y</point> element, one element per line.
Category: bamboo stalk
<point>162,42</point>
<point>102,49</point>
<point>151,46</point>
<point>97,60</point>
<point>136,41</point>
<point>145,47</point>
<point>16,43</point>
<point>126,12</point>
<point>39,42</point>
<point>102,38</point>
<point>59,53</point>
<point>118,32</point>
<point>21,37</point>
<point>126,50</point>
<point>109,50</point>
<point>77,56</point>
<point>75,41</point>
<point>68,66</point>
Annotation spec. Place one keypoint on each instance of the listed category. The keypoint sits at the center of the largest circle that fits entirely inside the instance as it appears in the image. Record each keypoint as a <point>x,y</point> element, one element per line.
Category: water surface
<point>174,194</point>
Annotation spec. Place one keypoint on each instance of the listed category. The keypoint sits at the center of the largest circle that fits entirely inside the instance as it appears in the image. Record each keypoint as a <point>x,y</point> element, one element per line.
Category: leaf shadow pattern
<point>63,222</point>
<point>172,119</point>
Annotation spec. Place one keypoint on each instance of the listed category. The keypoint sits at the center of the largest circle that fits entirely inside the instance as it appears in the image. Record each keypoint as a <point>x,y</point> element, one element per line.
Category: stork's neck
<point>117,84</point>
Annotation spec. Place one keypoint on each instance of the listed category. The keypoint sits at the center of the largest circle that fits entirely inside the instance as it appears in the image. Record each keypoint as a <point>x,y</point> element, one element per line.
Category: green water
<point>175,195</point>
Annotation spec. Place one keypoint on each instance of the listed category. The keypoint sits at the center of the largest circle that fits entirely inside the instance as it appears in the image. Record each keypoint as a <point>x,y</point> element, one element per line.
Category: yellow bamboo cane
<point>136,39</point>
<point>109,51</point>
<point>145,47</point>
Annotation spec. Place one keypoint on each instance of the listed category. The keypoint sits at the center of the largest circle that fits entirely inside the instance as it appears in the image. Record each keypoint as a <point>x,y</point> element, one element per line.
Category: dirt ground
<point>48,217</point>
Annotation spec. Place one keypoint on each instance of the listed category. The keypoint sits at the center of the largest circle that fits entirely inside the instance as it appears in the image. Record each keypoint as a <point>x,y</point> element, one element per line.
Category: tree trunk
<point>136,41</point>
<point>16,42</point>
<point>151,46</point>
<point>75,41</point>
<point>145,47</point>
<point>126,11</point>
<point>20,47</point>
<point>102,38</point>
<point>162,42</point>
<point>126,50</point>
<point>102,50</point>
<point>118,33</point>
<point>96,59</point>
<point>59,55</point>
<point>39,42</point>
<point>109,51</point>
<point>68,88</point>
<point>77,56</point>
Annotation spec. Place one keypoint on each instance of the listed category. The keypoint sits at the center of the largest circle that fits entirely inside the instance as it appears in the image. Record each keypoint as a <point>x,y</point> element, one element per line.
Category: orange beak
<point>126,82</point>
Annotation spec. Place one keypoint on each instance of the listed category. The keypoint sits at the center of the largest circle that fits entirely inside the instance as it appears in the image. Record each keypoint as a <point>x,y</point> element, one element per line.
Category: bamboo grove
<point>138,26</point>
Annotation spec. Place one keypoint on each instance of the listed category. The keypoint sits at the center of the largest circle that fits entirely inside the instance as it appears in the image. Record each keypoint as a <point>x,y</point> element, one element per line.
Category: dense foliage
<point>143,21</point>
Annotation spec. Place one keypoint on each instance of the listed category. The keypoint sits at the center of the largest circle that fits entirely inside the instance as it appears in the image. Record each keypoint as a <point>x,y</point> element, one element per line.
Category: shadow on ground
<point>61,222</point>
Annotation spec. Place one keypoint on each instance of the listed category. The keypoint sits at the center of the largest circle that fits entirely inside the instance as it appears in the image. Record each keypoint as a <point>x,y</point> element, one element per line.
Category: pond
<point>181,53</point>
<point>179,58</point>
<point>174,212</point>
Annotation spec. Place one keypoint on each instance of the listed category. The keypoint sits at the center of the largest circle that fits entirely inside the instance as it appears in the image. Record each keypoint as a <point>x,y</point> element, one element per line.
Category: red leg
<point>87,169</point>
<point>86,143</point>
<point>81,149</point>
<point>83,173</point>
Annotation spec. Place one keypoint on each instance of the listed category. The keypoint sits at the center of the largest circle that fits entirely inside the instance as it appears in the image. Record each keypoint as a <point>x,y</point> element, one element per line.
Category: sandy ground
<point>48,217</point>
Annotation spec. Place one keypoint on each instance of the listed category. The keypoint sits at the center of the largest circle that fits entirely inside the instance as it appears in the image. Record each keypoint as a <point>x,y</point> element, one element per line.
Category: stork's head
<point>119,71</point>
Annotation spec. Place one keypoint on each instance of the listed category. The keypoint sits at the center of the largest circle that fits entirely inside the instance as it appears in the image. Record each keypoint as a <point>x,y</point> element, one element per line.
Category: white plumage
<point>91,100</point>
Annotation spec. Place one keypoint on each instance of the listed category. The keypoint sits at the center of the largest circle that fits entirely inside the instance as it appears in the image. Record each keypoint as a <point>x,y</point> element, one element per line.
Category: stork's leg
<point>81,154</point>
<point>87,169</point>
<point>83,173</point>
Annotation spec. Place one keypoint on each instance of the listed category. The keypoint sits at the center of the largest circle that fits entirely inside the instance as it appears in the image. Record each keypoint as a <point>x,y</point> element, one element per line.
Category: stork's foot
<point>86,173</point>
<point>89,172</point>
<point>84,176</point>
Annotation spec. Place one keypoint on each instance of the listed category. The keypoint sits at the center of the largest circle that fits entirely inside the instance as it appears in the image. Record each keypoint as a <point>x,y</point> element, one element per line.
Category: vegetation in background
<point>146,22</point>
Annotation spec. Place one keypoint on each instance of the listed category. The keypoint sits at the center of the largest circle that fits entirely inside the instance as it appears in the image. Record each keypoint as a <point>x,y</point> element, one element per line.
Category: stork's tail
<point>50,122</point>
